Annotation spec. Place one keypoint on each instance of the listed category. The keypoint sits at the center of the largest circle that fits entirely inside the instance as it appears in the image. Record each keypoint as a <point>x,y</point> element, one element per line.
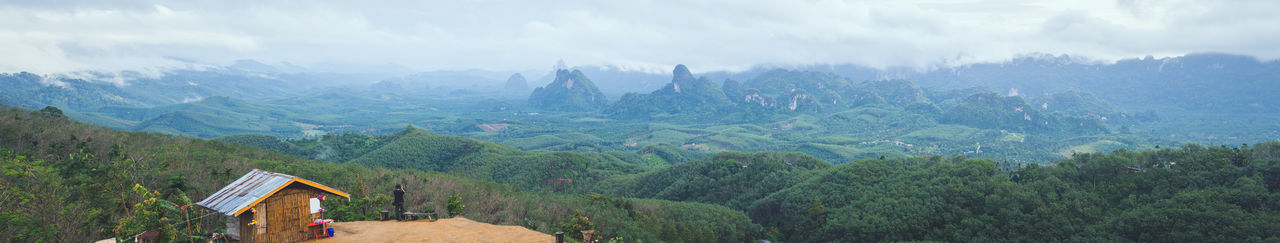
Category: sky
<point>58,36</point>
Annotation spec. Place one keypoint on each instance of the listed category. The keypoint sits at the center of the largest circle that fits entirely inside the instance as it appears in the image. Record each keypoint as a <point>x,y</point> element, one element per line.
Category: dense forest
<point>68,181</point>
<point>1191,193</point>
<point>1187,194</point>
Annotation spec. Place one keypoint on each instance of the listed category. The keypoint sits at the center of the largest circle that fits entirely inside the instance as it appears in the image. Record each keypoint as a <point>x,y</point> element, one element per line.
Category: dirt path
<point>444,230</point>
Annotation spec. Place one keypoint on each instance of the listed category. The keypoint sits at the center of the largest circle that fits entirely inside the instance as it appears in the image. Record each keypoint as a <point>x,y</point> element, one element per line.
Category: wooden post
<point>188,216</point>
<point>586,235</point>
<point>559,237</point>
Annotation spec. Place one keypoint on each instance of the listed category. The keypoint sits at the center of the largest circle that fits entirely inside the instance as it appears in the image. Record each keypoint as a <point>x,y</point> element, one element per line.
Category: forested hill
<point>733,179</point>
<point>1188,194</point>
<point>1192,193</point>
<point>65,181</point>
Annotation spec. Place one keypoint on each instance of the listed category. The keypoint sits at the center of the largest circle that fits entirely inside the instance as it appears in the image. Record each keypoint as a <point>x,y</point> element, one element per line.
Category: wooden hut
<point>269,207</point>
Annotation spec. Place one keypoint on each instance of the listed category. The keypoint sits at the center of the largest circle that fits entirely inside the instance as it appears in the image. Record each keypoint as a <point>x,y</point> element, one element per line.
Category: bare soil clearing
<point>444,230</point>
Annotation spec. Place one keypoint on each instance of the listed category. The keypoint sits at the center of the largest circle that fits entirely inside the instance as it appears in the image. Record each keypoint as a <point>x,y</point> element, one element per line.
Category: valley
<point>824,114</point>
<point>789,155</point>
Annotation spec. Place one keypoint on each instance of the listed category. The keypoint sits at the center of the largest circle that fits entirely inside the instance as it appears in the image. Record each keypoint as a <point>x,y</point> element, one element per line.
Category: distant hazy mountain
<point>516,83</point>
<point>685,94</point>
<point>614,80</point>
<point>894,92</point>
<point>213,117</point>
<point>996,111</point>
<point>34,91</point>
<point>1206,82</point>
<point>92,90</point>
<point>1201,82</point>
<point>570,91</point>
<point>1073,96</point>
<point>795,90</point>
<point>444,81</point>
<point>1076,103</point>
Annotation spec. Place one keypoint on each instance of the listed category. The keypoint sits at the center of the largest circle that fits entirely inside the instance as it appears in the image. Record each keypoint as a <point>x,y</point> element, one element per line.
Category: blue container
<point>330,232</point>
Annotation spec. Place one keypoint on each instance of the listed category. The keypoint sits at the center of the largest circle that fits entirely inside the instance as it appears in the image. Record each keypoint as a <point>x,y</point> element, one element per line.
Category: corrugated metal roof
<point>250,189</point>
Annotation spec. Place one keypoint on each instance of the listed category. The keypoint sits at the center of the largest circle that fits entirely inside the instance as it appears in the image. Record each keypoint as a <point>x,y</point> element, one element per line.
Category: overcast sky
<point>51,36</point>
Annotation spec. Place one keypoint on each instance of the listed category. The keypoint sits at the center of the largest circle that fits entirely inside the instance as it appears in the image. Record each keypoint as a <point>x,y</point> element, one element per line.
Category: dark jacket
<point>399,193</point>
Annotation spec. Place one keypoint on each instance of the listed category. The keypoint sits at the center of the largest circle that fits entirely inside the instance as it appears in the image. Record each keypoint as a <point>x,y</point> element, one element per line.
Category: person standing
<point>399,202</point>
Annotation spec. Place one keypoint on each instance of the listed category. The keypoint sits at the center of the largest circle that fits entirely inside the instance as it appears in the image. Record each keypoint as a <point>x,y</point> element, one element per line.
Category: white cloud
<point>67,36</point>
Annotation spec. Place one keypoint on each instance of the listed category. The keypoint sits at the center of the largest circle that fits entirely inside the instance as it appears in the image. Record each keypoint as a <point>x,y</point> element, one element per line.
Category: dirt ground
<point>444,230</point>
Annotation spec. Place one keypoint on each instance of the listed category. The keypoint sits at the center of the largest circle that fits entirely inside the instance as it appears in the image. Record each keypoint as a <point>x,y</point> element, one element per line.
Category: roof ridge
<point>252,188</point>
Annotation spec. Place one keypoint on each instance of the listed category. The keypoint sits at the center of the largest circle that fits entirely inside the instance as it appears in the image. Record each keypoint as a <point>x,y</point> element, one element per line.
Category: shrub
<point>455,205</point>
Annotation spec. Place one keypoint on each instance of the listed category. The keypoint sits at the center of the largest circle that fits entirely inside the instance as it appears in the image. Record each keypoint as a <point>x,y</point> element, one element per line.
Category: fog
<point>70,36</point>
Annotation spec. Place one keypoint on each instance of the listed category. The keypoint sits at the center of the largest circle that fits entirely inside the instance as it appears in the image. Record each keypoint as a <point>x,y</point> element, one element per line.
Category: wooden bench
<point>415,216</point>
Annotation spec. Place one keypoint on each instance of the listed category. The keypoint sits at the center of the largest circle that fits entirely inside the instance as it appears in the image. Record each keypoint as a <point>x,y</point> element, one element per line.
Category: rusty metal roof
<point>252,188</point>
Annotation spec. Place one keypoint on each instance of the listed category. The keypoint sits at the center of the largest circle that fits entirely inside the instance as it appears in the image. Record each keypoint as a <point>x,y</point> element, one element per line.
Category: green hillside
<point>895,92</point>
<point>1150,195</point>
<point>780,82</point>
<point>1193,193</point>
<point>995,111</point>
<point>732,179</point>
<point>1190,193</point>
<point>65,181</point>
<point>1076,103</point>
<point>414,148</point>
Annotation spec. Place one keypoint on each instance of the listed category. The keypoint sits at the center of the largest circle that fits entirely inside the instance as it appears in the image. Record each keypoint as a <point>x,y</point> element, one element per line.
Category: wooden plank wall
<point>288,214</point>
<point>260,216</point>
<point>246,231</point>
